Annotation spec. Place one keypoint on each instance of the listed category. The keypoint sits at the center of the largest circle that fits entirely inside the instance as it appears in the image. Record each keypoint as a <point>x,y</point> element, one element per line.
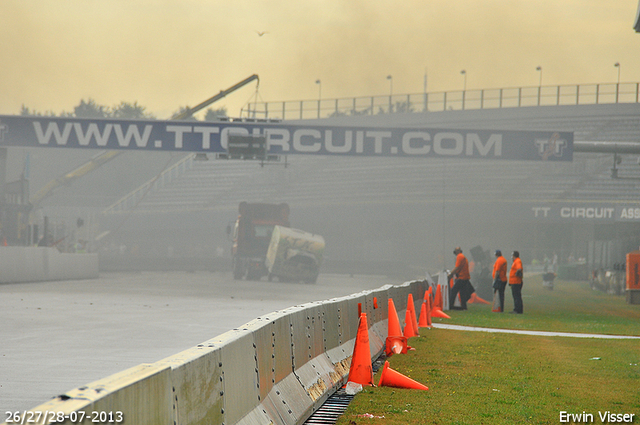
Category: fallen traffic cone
<point>411,306</point>
<point>393,328</point>
<point>408,327</point>
<point>361,370</point>
<point>476,299</point>
<point>391,378</point>
<point>425,315</point>
<point>395,345</point>
<point>436,312</point>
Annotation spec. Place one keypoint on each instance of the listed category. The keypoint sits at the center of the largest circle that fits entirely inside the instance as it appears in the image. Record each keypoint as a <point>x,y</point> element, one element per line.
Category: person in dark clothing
<point>499,280</point>
<point>462,284</point>
<point>515,282</point>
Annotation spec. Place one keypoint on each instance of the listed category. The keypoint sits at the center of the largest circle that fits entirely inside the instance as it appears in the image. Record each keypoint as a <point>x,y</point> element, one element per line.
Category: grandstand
<point>407,212</point>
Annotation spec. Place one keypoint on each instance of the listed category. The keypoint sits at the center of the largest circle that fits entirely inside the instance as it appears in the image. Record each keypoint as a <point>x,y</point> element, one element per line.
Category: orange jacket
<point>462,267</point>
<point>513,278</point>
<point>500,268</point>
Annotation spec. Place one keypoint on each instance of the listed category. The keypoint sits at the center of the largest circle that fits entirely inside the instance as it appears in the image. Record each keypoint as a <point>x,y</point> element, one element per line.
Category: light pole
<point>539,69</point>
<point>390,78</point>
<point>617,65</point>
<point>464,86</point>
<point>426,99</point>
<point>319,83</point>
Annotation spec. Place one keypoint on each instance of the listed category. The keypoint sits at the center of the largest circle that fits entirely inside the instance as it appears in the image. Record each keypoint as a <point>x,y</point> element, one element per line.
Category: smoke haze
<point>165,54</point>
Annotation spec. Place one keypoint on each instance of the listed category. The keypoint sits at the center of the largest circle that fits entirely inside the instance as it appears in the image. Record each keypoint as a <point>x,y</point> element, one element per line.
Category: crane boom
<point>106,156</point>
<point>223,93</point>
<point>67,178</point>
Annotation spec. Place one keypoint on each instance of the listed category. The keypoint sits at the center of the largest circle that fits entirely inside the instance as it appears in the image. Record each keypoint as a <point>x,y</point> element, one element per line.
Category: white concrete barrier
<point>139,395</point>
<point>197,385</point>
<point>276,369</point>
<point>36,264</point>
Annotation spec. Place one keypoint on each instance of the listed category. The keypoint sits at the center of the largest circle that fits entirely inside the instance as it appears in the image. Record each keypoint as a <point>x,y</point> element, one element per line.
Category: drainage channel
<point>331,410</point>
<point>337,404</point>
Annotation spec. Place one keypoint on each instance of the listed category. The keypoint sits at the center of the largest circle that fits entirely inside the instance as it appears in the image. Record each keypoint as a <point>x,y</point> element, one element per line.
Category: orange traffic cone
<point>361,370</point>
<point>437,302</point>
<point>391,378</point>
<point>375,303</point>
<point>476,299</point>
<point>395,345</point>
<point>425,315</point>
<point>428,293</point>
<point>411,306</point>
<point>408,327</point>
<point>496,308</point>
<point>393,328</point>
<point>436,312</point>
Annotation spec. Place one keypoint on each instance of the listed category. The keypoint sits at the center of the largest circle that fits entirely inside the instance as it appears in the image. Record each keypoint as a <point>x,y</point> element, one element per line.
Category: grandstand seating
<point>331,180</point>
<point>377,203</point>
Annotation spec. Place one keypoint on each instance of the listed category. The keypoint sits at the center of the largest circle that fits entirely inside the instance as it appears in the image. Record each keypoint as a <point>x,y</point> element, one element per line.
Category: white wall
<point>35,264</point>
<point>277,369</point>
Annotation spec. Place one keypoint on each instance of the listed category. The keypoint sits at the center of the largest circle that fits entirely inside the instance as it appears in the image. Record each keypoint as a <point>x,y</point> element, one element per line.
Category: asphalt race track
<point>56,336</point>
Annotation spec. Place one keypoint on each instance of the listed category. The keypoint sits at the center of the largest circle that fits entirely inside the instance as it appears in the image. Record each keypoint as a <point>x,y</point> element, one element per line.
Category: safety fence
<point>276,369</point>
<point>580,94</point>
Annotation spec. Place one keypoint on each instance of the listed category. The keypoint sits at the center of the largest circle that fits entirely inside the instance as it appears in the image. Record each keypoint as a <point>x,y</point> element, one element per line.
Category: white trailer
<point>294,255</point>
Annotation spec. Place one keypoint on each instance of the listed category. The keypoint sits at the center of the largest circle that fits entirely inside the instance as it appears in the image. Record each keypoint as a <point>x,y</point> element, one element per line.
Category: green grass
<point>570,307</point>
<point>489,378</point>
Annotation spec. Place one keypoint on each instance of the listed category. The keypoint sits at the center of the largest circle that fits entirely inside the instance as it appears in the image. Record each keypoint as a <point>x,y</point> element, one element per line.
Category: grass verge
<point>488,378</point>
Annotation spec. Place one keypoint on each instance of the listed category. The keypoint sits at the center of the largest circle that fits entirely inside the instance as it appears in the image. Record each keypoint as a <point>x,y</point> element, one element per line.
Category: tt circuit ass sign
<point>587,212</point>
<point>285,139</point>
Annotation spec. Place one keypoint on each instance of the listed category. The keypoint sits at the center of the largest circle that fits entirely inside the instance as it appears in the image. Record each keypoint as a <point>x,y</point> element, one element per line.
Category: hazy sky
<point>169,53</point>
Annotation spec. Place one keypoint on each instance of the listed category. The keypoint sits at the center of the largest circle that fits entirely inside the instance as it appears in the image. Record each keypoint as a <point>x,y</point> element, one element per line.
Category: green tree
<point>90,109</point>
<point>337,114</point>
<point>130,111</point>
<point>403,107</point>
<point>181,110</point>
<point>24,111</point>
<point>215,114</point>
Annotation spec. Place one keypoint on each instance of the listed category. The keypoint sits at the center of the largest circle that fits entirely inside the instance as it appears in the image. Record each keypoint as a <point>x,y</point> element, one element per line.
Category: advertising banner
<point>284,138</point>
<point>592,212</point>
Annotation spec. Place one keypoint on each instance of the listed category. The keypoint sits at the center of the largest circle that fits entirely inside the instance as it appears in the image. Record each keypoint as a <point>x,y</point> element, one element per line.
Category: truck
<point>294,255</point>
<point>252,236</point>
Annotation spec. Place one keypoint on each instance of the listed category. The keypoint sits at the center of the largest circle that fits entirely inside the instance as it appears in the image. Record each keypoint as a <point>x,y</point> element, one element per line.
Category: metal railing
<point>585,94</point>
<point>131,200</point>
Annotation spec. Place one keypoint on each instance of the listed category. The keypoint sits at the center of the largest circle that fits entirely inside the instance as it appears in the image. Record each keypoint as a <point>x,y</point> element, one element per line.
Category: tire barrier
<point>276,369</point>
